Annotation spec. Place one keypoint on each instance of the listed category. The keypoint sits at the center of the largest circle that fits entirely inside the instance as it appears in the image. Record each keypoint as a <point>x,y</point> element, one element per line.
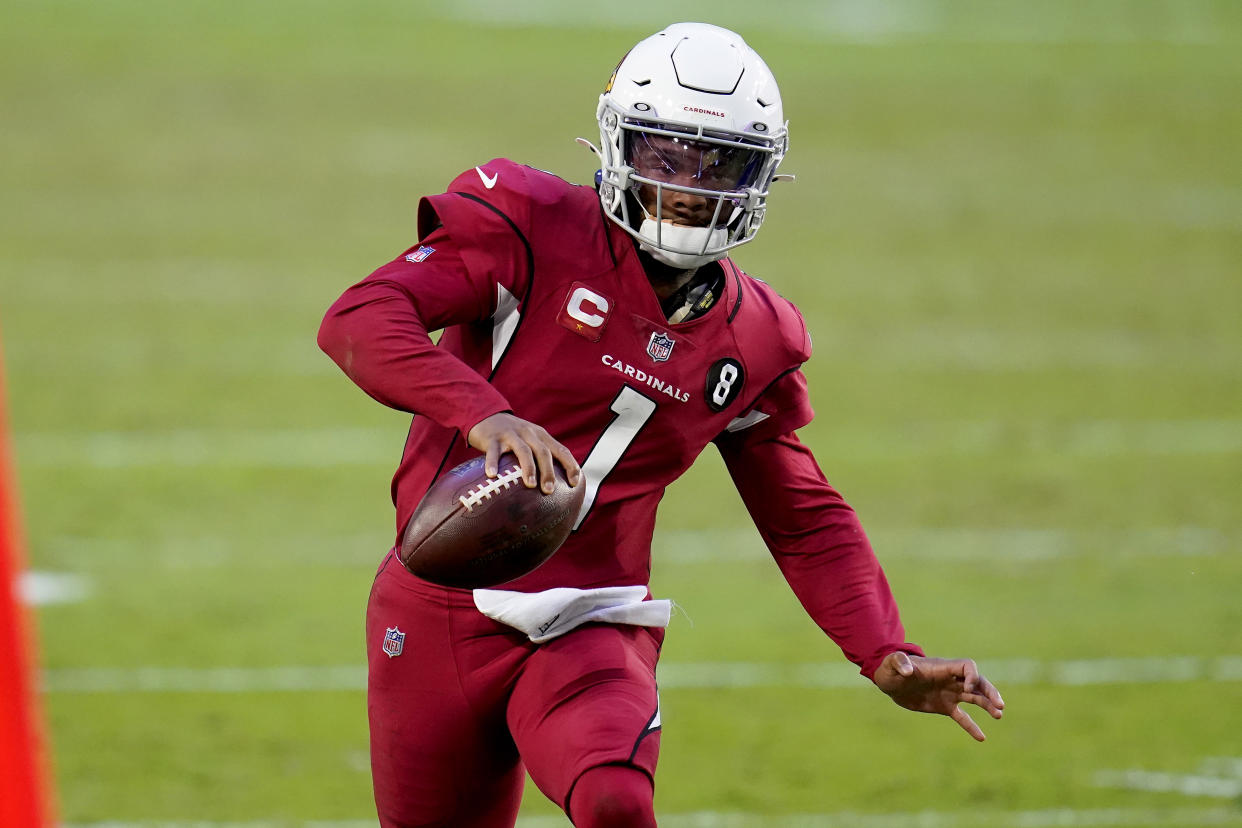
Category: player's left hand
<point>939,685</point>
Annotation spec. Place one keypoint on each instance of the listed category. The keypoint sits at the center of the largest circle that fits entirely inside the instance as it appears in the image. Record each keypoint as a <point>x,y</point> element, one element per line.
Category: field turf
<point>1016,235</point>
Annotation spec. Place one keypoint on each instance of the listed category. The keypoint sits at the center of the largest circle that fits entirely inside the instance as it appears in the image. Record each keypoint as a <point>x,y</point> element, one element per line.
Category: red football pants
<point>469,704</point>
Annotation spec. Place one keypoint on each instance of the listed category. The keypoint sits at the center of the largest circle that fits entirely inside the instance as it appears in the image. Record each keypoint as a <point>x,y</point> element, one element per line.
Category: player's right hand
<point>534,448</point>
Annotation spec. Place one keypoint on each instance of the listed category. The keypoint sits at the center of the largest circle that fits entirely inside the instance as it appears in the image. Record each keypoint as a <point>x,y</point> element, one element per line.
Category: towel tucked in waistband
<point>553,612</point>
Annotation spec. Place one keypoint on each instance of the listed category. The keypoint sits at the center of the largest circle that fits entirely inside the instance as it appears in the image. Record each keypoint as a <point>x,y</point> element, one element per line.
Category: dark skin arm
<point>535,449</point>
<point>939,685</point>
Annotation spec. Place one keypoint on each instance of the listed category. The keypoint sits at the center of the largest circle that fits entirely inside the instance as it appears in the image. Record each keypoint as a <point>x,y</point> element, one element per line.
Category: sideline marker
<point>24,797</point>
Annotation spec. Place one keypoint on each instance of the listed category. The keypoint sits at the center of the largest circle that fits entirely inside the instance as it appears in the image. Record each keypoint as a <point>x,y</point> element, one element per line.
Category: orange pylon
<point>25,800</point>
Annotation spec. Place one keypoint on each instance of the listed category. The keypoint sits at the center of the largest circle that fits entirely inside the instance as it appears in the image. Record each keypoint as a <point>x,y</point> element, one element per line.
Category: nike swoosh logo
<point>487,182</point>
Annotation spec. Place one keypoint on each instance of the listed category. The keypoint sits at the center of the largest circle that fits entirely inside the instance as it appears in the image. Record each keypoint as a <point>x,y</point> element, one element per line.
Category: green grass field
<point>1016,235</point>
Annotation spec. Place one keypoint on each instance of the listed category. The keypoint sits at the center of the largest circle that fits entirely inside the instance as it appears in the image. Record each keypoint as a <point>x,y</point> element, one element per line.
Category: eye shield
<point>686,161</point>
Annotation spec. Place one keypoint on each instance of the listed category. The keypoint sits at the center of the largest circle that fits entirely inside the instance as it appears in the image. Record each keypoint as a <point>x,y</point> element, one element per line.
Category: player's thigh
<point>587,699</point>
<point>436,759</point>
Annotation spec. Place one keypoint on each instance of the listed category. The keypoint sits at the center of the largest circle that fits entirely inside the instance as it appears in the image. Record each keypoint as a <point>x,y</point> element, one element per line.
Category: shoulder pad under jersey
<point>766,315</point>
<point>485,212</point>
<point>502,209</point>
<point>514,190</point>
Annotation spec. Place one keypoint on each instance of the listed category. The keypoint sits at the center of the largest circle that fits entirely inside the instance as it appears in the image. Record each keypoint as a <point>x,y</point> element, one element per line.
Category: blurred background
<point>1016,235</point>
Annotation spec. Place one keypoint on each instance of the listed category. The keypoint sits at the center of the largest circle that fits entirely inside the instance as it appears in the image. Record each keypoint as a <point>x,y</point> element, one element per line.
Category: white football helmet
<point>692,132</point>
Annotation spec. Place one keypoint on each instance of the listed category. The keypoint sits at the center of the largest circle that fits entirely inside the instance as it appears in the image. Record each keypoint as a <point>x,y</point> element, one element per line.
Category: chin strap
<point>686,238</point>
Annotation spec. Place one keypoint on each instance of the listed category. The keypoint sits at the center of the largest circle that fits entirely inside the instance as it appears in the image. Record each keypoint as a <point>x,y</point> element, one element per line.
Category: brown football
<point>472,531</point>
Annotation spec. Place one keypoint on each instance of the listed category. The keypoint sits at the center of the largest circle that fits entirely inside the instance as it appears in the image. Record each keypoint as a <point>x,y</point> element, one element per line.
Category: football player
<point>607,330</point>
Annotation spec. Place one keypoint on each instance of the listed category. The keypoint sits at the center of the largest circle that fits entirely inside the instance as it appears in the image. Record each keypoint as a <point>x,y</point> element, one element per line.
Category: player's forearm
<point>845,592</point>
<point>820,546</point>
<point>378,339</point>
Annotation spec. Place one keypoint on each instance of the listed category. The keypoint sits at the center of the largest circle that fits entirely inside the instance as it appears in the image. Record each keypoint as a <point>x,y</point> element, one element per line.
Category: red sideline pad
<point>24,799</point>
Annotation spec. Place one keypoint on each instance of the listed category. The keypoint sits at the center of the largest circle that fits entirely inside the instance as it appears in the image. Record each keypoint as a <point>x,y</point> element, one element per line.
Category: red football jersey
<point>547,312</point>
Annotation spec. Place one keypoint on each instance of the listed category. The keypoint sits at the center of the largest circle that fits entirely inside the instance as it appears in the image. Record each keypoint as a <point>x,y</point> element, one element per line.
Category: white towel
<point>545,615</point>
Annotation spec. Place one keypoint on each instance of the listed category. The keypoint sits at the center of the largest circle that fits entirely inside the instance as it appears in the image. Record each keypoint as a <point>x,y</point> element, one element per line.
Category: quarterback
<point>605,329</point>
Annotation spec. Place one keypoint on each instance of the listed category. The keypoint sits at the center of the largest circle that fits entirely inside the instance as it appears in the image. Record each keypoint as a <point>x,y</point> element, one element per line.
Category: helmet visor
<point>688,162</point>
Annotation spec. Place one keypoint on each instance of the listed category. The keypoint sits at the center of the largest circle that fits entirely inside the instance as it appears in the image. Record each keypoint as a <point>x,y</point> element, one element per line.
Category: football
<point>472,531</point>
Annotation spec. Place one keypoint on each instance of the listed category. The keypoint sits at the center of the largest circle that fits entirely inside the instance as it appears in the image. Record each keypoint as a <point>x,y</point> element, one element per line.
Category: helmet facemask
<point>692,131</point>
<point>688,195</point>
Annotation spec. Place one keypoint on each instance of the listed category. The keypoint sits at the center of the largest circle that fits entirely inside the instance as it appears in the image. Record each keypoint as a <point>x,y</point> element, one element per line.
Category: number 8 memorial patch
<point>724,383</point>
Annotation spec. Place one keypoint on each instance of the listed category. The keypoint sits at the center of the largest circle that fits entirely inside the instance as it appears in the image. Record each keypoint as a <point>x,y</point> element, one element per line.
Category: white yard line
<point>967,543</point>
<point>364,549</point>
<point>978,818</point>
<point>885,21</point>
<point>330,447</point>
<point>672,675</point>
<point>42,588</point>
<point>1228,766</point>
<point>194,448</point>
<point>680,547</point>
<point>1218,776</point>
<point>1060,817</point>
<point>204,679</point>
<point>1186,784</point>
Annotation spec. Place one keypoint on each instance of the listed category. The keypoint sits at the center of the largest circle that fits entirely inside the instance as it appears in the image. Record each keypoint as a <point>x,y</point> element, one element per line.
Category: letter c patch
<point>585,312</point>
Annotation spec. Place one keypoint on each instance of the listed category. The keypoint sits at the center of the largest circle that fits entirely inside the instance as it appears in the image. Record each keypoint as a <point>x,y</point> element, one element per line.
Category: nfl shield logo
<point>660,346</point>
<point>420,254</point>
<point>394,641</point>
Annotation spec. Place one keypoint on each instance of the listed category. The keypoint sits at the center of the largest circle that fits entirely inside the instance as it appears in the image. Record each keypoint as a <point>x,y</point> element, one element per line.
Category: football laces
<point>484,491</point>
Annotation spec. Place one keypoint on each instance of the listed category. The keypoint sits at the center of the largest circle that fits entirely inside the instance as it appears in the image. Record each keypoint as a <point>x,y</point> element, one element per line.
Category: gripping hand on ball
<point>535,449</point>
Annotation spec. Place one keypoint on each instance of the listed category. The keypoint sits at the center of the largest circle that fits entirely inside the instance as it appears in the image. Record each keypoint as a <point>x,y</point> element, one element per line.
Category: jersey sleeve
<point>773,339</point>
<point>378,333</point>
<point>472,261</point>
<point>487,211</point>
<point>782,407</point>
<point>819,545</point>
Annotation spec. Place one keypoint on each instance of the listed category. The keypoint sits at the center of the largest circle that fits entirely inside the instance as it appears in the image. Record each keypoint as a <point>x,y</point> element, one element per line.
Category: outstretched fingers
<point>977,690</point>
<point>980,700</point>
<point>991,700</point>
<point>968,724</point>
<point>939,685</point>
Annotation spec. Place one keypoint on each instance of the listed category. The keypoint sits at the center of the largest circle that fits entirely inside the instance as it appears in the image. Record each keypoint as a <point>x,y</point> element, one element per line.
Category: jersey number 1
<point>632,411</point>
